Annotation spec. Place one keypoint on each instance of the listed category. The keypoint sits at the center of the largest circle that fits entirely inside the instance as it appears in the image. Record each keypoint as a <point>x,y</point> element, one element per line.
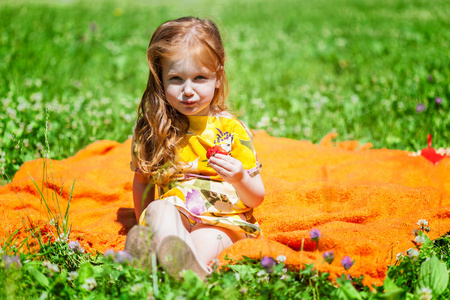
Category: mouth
<point>188,103</point>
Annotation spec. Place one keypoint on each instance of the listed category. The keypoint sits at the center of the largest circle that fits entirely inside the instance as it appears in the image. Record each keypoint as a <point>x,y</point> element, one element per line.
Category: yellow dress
<point>199,192</point>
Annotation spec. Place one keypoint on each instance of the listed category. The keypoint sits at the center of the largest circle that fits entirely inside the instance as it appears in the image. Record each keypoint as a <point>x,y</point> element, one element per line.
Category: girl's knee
<point>159,209</point>
<point>159,206</point>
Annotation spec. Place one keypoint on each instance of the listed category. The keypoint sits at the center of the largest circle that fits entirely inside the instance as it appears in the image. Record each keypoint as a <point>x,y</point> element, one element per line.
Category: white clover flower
<point>89,284</point>
<point>50,266</point>
<point>420,239</point>
<point>6,102</point>
<point>413,253</point>
<point>281,259</point>
<point>238,277</point>
<point>136,287</point>
<point>11,112</point>
<point>76,246</point>
<point>264,122</point>
<point>261,273</point>
<point>72,275</point>
<point>422,222</point>
<point>36,97</point>
<point>29,128</point>
<point>258,102</point>
<point>425,293</point>
<point>63,238</point>
<point>263,279</point>
<point>284,276</point>
<point>127,118</point>
<point>22,106</point>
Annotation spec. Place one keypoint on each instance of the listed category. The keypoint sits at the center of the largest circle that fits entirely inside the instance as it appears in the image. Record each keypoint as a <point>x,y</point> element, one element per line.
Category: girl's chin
<point>194,111</point>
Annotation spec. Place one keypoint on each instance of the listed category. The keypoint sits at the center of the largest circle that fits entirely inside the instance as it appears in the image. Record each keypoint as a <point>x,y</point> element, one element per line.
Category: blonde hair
<point>160,128</point>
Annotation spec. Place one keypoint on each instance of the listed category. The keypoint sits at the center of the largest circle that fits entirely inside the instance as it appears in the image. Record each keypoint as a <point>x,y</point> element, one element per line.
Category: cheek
<point>171,90</point>
<point>207,91</point>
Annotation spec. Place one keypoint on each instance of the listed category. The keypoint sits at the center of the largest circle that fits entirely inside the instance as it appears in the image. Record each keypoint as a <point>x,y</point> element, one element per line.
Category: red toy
<point>214,150</point>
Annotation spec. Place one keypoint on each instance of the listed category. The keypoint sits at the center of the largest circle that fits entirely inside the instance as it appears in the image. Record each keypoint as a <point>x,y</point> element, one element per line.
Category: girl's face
<point>189,87</point>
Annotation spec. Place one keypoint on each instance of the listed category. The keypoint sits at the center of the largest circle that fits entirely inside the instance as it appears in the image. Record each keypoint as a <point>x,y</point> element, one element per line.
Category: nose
<point>187,89</point>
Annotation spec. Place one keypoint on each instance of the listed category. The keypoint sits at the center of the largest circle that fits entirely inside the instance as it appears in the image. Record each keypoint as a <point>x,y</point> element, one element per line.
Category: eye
<point>175,78</point>
<point>201,77</point>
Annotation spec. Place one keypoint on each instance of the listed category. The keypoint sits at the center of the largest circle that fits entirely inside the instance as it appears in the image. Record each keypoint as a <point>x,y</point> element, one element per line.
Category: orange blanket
<point>364,202</point>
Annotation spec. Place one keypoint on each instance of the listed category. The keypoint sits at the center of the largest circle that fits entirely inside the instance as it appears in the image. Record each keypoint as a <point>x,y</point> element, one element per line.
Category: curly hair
<point>161,128</point>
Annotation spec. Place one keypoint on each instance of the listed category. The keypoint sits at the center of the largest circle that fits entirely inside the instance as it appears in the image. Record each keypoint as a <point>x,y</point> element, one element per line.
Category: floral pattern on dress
<point>202,195</point>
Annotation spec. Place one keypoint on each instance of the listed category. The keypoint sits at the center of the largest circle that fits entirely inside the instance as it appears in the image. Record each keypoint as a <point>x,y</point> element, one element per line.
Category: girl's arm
<point>250,189</point>
<point>139,186</point>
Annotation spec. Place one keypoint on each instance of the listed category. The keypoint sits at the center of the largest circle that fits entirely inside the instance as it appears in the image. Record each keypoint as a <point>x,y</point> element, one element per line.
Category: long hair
<point>161,128</point>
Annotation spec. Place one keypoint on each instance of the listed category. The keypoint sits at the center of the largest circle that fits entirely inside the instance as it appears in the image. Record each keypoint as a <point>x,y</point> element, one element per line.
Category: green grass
<point>61,270</point>
<point>297,69</point>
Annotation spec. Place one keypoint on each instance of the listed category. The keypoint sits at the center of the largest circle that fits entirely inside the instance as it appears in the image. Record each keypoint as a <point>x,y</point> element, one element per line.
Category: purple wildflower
<point>194,202</point>
<point>438,100</point>
<point>347,262</point>
<point>123,257</point>
<point>13,261</point>
<point>120,257</point>
<point>315,234</point>
<point>93,26</point>
<point>268,263</point>
<point>329,256</point>
<point>110,252</point>
<point>420,107</point>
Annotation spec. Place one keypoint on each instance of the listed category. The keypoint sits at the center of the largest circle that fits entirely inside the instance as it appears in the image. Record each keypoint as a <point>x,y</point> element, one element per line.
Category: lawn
<point>73,72</point>
<point>374,71</point>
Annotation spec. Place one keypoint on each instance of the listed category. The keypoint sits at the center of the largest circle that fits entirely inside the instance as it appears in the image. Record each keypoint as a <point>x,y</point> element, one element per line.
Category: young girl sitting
<point>190,204</point>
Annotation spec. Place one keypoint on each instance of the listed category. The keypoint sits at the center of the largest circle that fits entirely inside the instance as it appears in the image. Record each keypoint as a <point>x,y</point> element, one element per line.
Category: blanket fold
<point>365,202</point>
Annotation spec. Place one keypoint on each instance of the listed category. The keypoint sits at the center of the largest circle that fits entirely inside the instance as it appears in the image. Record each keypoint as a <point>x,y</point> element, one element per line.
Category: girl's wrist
<point>243,181</point>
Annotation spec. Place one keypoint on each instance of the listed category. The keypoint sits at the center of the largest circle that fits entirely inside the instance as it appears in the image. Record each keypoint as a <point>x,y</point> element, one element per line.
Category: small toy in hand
<point>214,150</point>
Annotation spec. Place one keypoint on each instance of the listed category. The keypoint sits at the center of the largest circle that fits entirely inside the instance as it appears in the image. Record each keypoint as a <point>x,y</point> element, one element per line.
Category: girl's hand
<point>250,189</point>
<point>229,168</point>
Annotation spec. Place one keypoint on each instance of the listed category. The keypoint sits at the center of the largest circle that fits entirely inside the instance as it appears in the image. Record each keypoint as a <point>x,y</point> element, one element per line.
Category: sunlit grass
<point>297,69</point>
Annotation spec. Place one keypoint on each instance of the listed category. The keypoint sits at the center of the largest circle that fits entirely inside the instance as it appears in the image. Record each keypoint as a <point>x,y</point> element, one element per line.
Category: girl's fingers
<point>224,161</point>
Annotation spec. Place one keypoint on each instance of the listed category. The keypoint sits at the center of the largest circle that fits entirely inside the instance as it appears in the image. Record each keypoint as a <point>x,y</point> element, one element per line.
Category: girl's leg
<point>175,247</point>
<point>210,241</point>
<point>140,245</point>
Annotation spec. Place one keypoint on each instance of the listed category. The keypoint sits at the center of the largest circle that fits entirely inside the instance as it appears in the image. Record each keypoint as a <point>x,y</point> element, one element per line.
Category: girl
<point>195,206</point>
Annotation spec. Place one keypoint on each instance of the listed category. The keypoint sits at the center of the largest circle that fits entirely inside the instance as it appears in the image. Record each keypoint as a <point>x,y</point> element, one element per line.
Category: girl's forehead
<point>183,63</point>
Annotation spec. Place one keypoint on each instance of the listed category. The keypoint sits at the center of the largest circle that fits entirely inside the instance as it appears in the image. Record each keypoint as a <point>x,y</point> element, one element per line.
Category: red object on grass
<point>431,154</point>
<point>214,150</point>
